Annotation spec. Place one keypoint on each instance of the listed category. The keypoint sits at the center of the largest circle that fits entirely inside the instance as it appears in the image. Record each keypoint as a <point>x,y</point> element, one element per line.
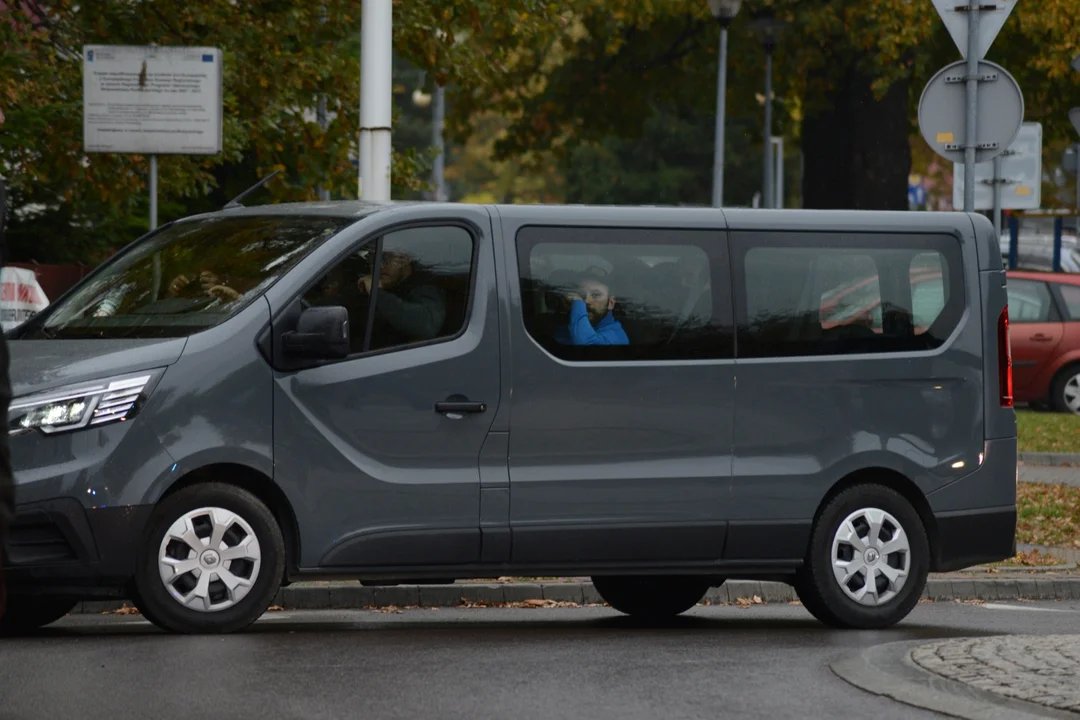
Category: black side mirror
<point>322,333</point>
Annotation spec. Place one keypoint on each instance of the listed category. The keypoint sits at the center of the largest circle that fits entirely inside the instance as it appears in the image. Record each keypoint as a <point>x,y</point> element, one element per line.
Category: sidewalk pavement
<point>1046,475</point>
<point>1033,585</point>
<point>1050,459</point>
<point>1037,669</point>
<point>997,677</point>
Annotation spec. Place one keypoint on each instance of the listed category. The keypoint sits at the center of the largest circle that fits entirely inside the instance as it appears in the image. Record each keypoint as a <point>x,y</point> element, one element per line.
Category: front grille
<point>36,540</point>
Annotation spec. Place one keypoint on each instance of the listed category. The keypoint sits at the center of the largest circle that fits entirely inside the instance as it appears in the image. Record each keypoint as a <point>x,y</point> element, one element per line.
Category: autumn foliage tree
<point>279,56</point>
<point>848,75</point>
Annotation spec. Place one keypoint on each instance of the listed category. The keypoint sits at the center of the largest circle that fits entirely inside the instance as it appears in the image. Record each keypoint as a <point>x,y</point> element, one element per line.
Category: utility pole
<point>376,99</point>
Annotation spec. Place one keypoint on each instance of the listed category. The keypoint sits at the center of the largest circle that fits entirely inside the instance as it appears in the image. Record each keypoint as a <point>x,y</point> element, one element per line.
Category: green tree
<point>848,76</point>
<point>279,56</point>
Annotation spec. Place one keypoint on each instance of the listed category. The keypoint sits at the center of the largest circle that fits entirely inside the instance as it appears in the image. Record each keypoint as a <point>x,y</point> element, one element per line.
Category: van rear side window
<point>610,294</point>
<point>813,295</point>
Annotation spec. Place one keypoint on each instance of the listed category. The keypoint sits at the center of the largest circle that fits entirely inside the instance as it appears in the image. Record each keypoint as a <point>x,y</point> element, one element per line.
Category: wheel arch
<point>262,487</point>
<point>899,483</point>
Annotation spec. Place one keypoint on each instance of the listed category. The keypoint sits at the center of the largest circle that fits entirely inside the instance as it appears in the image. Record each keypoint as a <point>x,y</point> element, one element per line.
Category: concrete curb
<point>353,596</point>
<point>888,670</point>
<point>1049,459</point>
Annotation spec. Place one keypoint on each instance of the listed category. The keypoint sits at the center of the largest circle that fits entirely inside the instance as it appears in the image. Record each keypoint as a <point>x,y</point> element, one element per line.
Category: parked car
<point>426,392</point>
<point>1044,309</point>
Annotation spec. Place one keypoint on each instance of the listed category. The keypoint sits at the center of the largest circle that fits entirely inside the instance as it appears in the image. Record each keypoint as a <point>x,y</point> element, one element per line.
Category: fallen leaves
<point>530,604</point>
<point>745,602</point>
<point>125,610</point>
<point>393,609</point>
<point>1048,515</point>
<point>274,608</point>
<point>1031,558</point>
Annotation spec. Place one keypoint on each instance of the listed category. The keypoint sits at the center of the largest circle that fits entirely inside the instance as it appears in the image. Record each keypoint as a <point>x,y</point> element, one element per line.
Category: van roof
<point>966,224</point>
<point>775,219</point>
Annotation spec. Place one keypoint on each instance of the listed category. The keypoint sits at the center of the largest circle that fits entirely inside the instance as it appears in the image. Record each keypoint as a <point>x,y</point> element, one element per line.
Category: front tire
<point>651,597</point>
<point>24,614</point>
<point>211,562</point>
<point>867,562</point>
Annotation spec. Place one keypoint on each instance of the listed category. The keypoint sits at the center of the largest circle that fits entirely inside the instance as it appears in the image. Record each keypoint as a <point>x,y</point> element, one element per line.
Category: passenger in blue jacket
<point>591,321</point>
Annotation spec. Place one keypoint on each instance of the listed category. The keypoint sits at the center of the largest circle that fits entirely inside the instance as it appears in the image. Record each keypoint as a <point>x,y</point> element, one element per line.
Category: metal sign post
<point>973,26</point>
<point>997,195</point>
<point>971,129</point>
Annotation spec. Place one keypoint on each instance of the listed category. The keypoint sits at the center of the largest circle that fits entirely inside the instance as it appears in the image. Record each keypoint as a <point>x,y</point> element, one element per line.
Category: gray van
<point>658,398</point>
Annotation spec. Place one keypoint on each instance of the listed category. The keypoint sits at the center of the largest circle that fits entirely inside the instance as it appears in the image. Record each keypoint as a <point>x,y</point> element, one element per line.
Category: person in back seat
<point>591,321</point>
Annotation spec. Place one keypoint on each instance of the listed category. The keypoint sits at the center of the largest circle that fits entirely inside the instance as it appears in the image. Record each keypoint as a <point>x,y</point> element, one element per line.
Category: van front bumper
<point>58,547</point>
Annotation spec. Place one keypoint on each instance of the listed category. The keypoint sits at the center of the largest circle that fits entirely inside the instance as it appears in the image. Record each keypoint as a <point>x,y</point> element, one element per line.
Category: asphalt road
<point>762,662</point>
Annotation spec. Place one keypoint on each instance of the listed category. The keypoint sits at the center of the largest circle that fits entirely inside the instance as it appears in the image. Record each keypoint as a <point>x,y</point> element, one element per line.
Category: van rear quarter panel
<point>804,423</point>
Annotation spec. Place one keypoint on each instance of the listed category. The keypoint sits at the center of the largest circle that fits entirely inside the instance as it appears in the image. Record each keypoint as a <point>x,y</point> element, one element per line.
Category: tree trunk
<point>856,148</point>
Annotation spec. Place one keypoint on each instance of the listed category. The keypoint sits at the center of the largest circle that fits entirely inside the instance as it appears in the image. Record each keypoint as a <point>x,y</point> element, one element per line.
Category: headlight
<point>99,403</point>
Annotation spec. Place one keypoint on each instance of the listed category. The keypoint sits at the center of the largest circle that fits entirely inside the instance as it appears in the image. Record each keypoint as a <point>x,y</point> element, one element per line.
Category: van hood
<point>42,365</point>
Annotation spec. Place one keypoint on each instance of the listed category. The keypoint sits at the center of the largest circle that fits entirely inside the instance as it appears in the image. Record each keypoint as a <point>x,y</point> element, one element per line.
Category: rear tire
<point>24,614</point>
<point>1066,391</point>
<point>651,597</point>
<point>872,537</point>
<point>211,562</point>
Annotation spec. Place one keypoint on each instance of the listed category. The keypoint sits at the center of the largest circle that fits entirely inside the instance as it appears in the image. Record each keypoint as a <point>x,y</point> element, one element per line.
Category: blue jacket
<point>581,332</point>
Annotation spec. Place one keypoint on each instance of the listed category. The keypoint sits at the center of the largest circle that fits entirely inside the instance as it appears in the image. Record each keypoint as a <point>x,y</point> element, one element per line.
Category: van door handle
<point>460,406</point>
<point>1039,337</point>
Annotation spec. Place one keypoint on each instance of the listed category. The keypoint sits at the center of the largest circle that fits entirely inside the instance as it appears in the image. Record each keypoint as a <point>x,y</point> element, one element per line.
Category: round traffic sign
<point>943,111</point>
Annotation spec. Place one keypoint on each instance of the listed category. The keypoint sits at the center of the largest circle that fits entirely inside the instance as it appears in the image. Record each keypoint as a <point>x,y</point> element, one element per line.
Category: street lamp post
<point>724,11</point>
<point>768,29</point>
<point>422,100</point>
<point>439,166</point>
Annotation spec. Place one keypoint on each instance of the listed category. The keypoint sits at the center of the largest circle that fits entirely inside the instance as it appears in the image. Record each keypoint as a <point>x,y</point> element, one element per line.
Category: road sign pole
<point>1014,240</point>
<point>1056,265</point>
<point>997,196</point>
<point>1078,193</point>
<point>767,195</point>
<point>971,133</point>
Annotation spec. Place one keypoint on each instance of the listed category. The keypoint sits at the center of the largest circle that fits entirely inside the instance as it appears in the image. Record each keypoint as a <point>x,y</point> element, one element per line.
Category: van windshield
<point>189,277</point>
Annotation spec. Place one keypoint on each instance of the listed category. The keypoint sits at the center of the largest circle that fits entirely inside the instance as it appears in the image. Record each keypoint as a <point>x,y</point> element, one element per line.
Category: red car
<point>1044,320</point>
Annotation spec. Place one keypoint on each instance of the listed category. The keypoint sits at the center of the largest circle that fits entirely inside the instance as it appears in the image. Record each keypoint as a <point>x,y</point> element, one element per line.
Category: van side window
<point>1029,301</point>
<point>420,293</point>
<point>600,294</point>
<point>799,294</point>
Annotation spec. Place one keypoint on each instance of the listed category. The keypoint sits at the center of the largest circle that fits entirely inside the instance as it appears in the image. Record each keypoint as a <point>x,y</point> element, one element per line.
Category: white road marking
<point>1029,608</point>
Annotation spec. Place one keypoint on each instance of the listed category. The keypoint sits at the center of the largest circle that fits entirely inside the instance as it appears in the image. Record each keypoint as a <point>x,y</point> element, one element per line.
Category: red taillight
<point>1005,375</point>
